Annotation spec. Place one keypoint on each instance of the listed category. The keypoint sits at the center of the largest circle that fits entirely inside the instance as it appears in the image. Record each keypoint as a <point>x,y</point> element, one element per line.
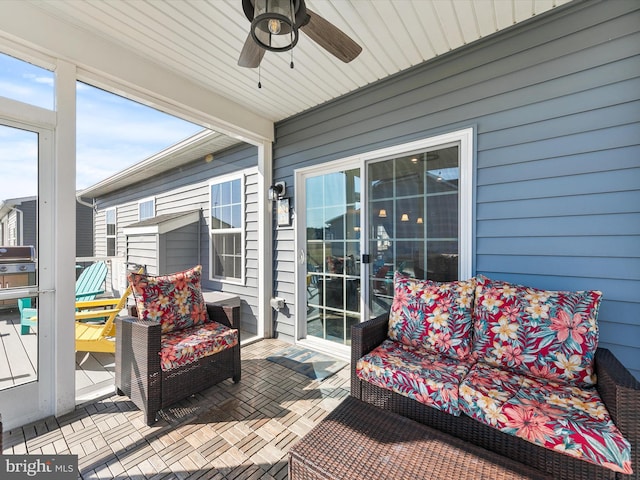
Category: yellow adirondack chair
<point>99,337</point>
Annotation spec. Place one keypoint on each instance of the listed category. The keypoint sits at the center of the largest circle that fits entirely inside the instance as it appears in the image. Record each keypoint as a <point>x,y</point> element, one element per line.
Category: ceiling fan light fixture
<point>274,24</point>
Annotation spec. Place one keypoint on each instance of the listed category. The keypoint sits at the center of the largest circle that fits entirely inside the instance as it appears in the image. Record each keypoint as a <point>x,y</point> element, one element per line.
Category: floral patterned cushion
<point>174,300</point>
<point>541,333</point>
<point>431,315</point>
<point>181,347</point>
<point>564,418</point>
<point>415,373</point>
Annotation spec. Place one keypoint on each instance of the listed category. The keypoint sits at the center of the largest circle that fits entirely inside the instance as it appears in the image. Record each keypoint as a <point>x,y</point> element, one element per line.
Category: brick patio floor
<point>229,431</point>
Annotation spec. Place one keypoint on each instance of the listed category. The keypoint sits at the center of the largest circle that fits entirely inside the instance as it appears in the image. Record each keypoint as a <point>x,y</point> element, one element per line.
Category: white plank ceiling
<point>201,39</point>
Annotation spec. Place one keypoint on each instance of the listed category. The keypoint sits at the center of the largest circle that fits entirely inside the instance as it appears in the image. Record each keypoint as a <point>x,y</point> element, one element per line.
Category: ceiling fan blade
<point>331,38</point>
<point>251,54</point>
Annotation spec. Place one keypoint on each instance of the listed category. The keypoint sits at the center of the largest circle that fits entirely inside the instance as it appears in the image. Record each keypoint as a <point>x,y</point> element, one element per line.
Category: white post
<point>64,238</point>
<point>265,233</point>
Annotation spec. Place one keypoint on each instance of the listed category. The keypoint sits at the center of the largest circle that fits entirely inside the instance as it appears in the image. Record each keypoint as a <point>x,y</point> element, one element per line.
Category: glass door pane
<point>333,254</point>
<point>413,220</point>
<point>18,247</point>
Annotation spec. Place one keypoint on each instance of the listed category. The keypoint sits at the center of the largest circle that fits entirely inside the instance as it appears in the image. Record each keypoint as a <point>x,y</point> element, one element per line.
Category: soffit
<point>201,40</point>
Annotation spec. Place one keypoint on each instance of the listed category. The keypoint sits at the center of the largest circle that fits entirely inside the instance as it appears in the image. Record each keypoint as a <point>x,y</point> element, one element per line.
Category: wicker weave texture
<point>361,442</point>
<point>138,372</point>
<point>619,390</point>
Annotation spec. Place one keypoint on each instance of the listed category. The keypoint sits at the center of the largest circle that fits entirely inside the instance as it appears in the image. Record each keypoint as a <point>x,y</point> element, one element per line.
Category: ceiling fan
<point>274,27</point>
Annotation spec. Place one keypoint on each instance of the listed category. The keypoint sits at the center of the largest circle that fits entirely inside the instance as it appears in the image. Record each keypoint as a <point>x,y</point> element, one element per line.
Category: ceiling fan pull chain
<point>259,76</point>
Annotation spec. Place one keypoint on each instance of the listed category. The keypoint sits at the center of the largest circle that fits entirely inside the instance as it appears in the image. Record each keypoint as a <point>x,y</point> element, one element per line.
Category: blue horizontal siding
<point>562,205</point>
<point>556,107</point>
<point>607,246</point>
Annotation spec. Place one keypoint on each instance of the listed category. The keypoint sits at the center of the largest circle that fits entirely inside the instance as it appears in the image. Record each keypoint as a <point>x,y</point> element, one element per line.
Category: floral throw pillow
<point>175,300</point>
<point>541,333</point>
<point>435,316</point>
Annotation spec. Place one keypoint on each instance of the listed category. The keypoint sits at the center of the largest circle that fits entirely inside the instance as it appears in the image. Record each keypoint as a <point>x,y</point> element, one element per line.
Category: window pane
<point>408,177</point>
<point>442,216</point>
<point>146,210</point>
<point>228,267</point>
<point>225,193</point>
<point>237,244</point>
<point>36,84</point>
<point>111,247</point>
<point>236,194</point>
<point>227,258</point>
<point>236,216</point>
<point>215,195</point>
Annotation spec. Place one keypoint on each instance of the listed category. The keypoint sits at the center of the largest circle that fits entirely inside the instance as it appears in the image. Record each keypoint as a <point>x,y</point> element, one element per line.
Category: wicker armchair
<point>138,363</point>
<point>619,390</point>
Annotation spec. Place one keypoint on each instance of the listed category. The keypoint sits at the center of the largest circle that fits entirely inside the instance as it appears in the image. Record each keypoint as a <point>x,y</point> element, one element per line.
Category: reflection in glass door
<point>332,213</point>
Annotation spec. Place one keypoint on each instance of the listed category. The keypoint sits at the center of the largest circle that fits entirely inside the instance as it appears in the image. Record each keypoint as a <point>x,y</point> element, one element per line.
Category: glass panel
<point>18,256</point>
<point>442,218</point>
<point>111,247</point>
<point>413,218</point>
<point>26,83</point>
<point>226,205</point>
<point>227,258</point>
<point>236,216</point>
<point>146,210</point>
<point>442,261</point>
<point>333,253</point>
<point>236,192</point>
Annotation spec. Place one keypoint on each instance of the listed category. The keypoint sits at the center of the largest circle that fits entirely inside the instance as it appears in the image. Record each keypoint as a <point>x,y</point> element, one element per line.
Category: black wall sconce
<point>277,191</point>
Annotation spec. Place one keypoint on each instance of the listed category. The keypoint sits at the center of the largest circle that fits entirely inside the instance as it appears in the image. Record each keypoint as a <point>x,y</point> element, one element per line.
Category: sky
<point>113,132</point>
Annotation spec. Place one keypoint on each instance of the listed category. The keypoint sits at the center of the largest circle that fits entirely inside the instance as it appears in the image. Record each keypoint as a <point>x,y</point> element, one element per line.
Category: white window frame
<point>242,229</point>
<point>106,231</point>
<point>153,208</point>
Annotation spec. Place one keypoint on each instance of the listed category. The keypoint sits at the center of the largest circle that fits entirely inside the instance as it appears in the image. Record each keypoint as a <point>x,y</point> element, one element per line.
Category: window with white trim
<point>226,229</point>
<point>146,209</point>
<point>110,220</point>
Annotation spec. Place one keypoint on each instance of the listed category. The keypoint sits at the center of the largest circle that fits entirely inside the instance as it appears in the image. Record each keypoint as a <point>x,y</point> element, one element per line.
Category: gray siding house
<point>516,157</point>
<point>164,222</point>
<point>18,223</point>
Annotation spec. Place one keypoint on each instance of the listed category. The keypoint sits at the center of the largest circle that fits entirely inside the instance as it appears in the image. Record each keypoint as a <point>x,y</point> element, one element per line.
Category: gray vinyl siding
<point>143,250</point>
<point>555,104</point>
<point>179,249</point>
<point>29,220</point>
<point>183,190</point>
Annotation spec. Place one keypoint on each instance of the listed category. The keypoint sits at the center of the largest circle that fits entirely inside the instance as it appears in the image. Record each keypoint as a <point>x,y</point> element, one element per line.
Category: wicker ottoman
<point>360,441</point>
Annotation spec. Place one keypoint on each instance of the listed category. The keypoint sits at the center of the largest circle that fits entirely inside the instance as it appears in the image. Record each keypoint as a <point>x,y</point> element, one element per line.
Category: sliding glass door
<point>404,209</point>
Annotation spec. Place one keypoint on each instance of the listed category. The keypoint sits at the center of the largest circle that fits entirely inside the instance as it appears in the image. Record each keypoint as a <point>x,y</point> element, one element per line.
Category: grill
<point>19,259</point>
<point>17,269</point>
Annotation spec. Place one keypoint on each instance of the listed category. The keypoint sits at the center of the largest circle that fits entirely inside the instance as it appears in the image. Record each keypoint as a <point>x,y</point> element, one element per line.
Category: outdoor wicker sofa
<point>619,391</point>
<point>511,368</point>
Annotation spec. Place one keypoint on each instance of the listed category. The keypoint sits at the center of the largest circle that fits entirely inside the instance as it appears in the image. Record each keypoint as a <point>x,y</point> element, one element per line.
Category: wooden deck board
<point>19,355</point>
<point>18,358</point>
<point>227,432</point>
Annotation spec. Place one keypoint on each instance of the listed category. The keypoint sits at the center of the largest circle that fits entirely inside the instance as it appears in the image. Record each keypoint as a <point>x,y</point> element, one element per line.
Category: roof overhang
<point>162,223</point>
<point>197,146</point>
